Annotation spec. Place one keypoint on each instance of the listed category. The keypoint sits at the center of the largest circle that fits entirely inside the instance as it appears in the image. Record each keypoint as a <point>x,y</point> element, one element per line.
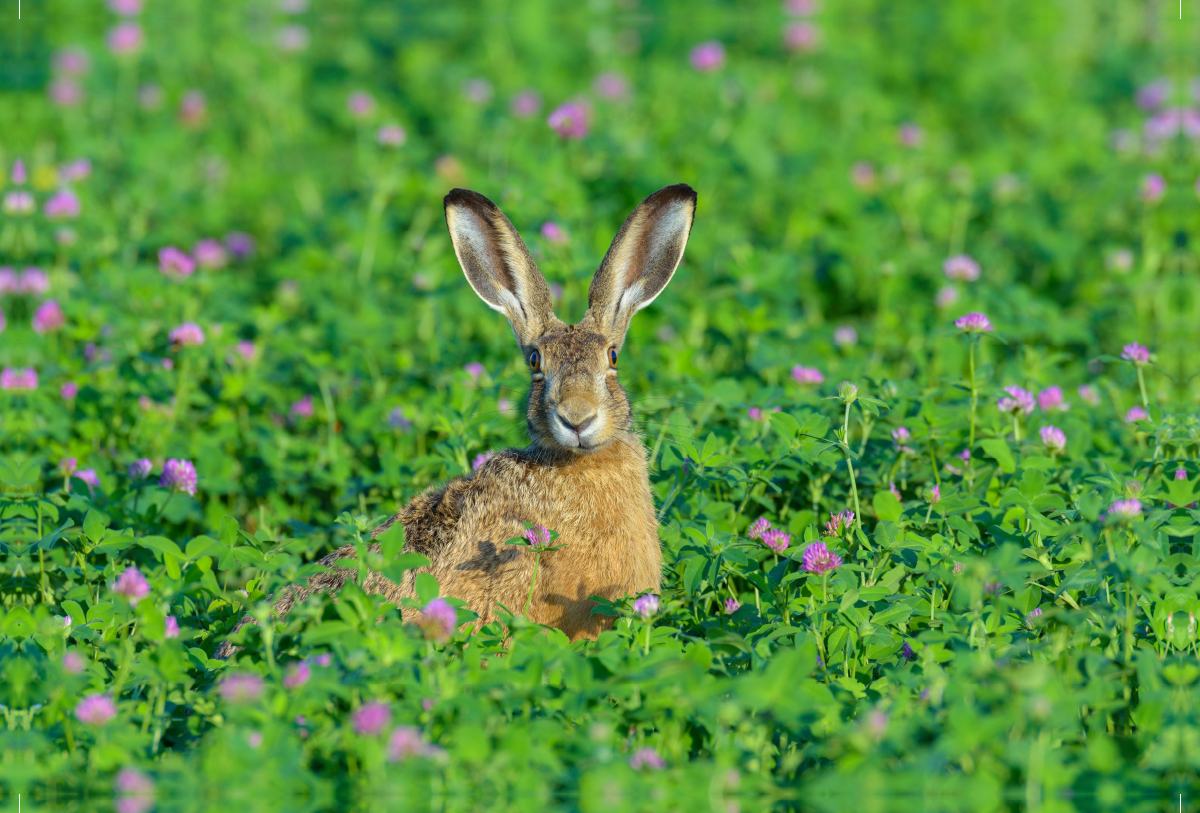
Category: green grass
<point>804,698</point>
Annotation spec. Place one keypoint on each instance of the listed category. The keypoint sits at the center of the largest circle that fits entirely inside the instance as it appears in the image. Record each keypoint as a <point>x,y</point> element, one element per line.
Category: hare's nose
<point>579,426</point>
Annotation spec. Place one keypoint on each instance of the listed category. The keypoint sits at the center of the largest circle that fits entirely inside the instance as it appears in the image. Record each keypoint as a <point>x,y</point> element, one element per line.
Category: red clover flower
<point>1054,439</point>
<point>390,135</point>
<point>646,606</point>
<point>1019,400</point>
<point>973,323</point>
<point>538,536</point>
<point>371,719</point>
<point>62,204</point>
<point>132,584</point>
<point>570,120</point>
<point>240,244</point>
<point>302,408</point>
<point>839,522</point>
<point>34,281</point>
<point>360,104</point>
<point>297,674</point>
<point>961,268</point>
<point>819,559</point>
<point>1154,187</point>
<point>210,253</point>
<point>124,38</point>
<point>1139,355</point>
<point>757,528</point>
<point>1127,510</point>
<point>646,758</point>
<point>241,687</point>
<point>552,232</point>
<point>179,475</point>
<point>776,540</point>
<point>526,104</point>
<point>707,56</point>
<point>801,36</point>
<point>189,334</point>
<point>807,375</point>
<point>407,741</point>
<point>48,317</point>
<point>1051,400</point>
<point>175,263</point>
<point>439,619</point>
<point>95,709</point>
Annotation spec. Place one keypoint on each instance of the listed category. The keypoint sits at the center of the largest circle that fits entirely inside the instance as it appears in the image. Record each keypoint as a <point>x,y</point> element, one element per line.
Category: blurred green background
<point>842,153</point>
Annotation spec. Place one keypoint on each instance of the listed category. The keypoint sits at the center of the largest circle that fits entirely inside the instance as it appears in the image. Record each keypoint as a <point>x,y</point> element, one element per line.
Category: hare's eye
<point>612,357</point>
<point>535,361</point>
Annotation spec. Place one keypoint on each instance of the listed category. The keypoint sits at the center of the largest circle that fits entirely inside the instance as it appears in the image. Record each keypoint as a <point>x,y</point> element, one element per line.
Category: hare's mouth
<point>583,437</point>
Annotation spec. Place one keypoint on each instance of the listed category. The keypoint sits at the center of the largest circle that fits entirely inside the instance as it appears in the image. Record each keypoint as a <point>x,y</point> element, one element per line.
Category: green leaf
<point>51,539</point>
<point>229,531</point>
<point>391,542</point>
<point>1032,484</point>
<point>887,507</point>
<point>94,526</point>
<point>427,588</point>
<point>693,574</point>
<point>997,449</point>
<point>78,616</point>
<point>201,546</point>
<point>787,426</point>
<point>401,565</point>
<point>161,545</point>
<point>895,614</point>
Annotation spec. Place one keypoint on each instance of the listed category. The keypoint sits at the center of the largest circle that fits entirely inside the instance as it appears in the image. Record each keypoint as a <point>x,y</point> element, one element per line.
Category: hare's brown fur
<point>584,473</point>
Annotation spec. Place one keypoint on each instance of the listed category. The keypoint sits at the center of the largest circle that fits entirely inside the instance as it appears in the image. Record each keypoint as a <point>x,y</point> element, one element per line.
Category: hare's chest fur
<point>600,505</point>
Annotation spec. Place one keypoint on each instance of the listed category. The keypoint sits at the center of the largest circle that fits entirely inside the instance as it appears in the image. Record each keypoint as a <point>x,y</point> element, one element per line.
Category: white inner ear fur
<point>470,230</point>
<point>671,226</point>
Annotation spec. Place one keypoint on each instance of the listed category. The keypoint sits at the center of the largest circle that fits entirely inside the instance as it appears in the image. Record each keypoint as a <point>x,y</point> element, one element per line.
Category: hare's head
<point>575,400</point>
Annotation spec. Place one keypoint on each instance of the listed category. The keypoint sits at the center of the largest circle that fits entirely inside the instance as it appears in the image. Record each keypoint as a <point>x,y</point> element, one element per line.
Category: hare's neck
<point>624,456</point>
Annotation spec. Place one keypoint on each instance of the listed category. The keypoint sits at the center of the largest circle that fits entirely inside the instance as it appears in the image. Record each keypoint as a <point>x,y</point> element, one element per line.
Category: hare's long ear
<point>642,258</point>
<point>498,265</point>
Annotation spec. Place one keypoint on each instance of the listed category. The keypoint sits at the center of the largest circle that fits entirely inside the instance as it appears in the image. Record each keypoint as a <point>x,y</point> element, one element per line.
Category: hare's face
<point>575,401</point>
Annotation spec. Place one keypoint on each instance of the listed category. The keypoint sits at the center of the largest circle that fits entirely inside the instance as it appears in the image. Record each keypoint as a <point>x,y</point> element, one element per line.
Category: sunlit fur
<point>592,488</point>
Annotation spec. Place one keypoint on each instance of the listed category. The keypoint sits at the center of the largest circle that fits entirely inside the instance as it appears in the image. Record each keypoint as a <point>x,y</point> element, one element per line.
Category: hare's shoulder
<point>431,517</point>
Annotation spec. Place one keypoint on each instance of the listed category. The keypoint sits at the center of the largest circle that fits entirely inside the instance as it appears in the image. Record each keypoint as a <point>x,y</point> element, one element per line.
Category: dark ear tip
<point>676,192</point>
<point>465,197</point>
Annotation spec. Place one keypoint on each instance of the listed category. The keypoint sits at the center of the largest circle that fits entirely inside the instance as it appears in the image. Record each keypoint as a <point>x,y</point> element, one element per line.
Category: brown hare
<point>584,471</point>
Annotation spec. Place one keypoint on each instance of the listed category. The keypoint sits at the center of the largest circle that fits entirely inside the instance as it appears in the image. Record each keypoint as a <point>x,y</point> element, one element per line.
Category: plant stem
<point>374,215</point>
<point>1142,387</point>
<point>854,492</point>
<point>971,344</point>
<point>537,558</point>
<point>850,465</point>
<point>181,386</point>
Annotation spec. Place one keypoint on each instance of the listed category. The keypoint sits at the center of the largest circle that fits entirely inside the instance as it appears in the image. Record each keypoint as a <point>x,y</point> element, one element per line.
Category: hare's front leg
<point>482,570</point>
